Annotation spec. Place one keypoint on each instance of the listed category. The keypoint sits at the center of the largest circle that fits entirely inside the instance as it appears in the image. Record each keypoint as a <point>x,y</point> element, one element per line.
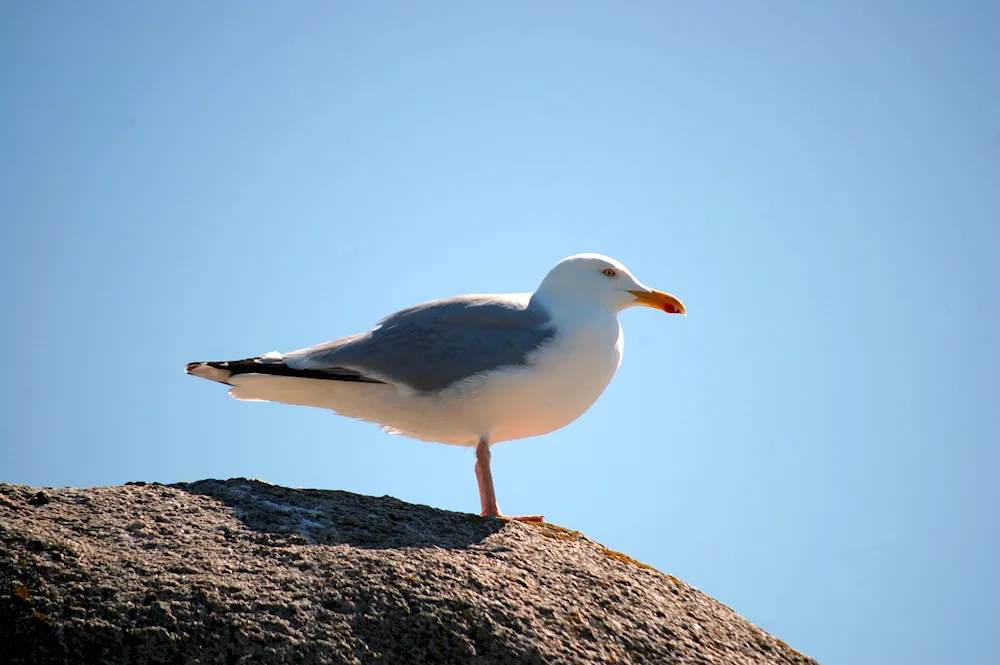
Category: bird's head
<point>602,280</point>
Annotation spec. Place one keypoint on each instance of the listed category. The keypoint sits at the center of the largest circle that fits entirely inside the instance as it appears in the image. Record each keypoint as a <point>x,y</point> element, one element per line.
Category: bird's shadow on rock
<point>331,517</point>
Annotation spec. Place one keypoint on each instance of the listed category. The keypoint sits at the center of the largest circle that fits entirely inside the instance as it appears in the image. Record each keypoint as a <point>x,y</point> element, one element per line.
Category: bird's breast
<point>562,380</point>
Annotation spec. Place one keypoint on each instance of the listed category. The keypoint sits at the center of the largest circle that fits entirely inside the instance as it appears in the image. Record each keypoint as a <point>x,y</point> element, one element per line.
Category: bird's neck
<point>566,307</point>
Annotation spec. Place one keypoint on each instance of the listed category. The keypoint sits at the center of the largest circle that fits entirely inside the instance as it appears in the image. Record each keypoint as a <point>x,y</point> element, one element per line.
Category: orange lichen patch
<point>562,533</point>
<point>21,592</point>
<point>41,616</point>
<point>781,643</point>
<point>624,558</point>
<point>555,531</point>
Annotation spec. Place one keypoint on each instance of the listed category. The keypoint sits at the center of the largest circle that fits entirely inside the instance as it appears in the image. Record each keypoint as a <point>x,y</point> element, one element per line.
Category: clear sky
<point>815,445</point>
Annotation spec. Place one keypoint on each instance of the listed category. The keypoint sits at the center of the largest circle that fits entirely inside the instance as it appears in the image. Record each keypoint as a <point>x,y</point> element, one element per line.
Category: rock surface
<point>240,571</point>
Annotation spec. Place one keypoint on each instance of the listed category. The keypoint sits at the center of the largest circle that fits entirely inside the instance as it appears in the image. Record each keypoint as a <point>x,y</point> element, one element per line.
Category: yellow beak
<point>659,300</point>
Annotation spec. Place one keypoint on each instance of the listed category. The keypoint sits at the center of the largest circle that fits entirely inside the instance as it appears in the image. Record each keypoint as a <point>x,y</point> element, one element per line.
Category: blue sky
<point>814,445</point>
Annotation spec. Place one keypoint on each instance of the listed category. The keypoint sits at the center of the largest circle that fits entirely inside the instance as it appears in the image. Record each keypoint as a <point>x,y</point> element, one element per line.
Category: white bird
<point>472,370</point>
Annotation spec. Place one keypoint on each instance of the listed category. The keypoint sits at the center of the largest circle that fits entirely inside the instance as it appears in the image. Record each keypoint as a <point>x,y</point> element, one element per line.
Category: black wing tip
<point>190,368</point>
<point>208,370</point>
<point>277,368</point>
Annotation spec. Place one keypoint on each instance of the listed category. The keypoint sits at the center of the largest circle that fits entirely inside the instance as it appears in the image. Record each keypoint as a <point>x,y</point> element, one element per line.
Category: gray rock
<point>240,571</point>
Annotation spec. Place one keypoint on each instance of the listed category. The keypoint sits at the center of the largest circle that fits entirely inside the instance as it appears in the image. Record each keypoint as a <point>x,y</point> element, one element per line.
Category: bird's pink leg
<point>487,497</point>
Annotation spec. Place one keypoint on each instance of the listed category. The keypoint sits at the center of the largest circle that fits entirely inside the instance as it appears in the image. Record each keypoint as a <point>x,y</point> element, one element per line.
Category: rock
<point>240,571</point>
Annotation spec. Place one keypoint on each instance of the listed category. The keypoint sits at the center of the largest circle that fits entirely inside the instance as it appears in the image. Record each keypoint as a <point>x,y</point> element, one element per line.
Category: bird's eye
<point>609,272</point>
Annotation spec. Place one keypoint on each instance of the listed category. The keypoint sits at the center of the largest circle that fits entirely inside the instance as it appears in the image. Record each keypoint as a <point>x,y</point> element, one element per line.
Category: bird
<point>472,370</point>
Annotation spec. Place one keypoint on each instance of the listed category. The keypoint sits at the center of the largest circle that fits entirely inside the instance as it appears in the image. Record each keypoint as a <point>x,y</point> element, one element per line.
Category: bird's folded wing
<point>431,346</point>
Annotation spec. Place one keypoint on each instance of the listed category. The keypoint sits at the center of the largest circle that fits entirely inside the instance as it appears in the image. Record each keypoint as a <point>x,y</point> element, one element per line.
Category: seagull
<point>472,370</point>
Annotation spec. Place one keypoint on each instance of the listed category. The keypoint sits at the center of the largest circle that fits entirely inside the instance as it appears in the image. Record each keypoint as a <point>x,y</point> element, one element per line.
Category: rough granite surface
<point>240,571</point>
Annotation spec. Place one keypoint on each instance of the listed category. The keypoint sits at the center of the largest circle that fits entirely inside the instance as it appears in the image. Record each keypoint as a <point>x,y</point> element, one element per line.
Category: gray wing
<point>431,346</point>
